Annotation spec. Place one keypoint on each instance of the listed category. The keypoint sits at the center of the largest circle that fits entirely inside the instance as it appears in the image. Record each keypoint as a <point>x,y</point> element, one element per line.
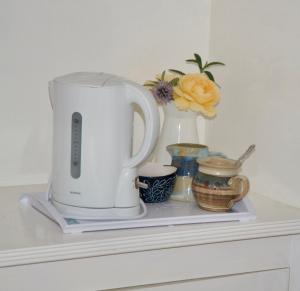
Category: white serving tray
<point>158,214</point>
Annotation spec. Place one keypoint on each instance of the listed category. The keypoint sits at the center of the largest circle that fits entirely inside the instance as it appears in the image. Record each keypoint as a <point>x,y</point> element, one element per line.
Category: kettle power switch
<point>76,133</point>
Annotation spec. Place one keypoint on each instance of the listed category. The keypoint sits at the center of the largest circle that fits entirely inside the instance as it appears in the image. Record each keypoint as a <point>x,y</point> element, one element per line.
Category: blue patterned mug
<point>160,181</point>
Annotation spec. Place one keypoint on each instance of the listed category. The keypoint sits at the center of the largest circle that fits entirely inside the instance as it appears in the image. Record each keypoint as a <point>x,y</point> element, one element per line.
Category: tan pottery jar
<point>217,186</point>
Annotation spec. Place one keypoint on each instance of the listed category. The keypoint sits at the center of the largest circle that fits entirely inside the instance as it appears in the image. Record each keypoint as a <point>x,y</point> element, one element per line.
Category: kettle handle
<point>142,97</point>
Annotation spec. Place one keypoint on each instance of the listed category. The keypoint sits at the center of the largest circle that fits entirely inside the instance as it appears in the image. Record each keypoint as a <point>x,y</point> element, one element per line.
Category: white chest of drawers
<point>259,255</point>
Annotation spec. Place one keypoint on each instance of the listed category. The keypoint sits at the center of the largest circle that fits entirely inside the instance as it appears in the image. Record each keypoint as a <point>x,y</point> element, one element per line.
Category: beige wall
<point>258,40</point>
<point>260,43</point>
<point>41,39</point>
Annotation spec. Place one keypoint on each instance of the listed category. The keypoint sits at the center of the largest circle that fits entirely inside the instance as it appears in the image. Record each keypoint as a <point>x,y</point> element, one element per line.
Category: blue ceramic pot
<point>184,158</point>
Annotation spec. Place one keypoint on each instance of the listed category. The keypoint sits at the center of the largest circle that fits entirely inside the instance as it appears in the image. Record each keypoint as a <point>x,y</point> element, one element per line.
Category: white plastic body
<point>106,185</point>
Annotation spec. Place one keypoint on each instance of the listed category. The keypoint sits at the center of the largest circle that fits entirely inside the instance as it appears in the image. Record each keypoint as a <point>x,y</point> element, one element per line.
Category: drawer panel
<point>274,280</point>
<point>150,267</point>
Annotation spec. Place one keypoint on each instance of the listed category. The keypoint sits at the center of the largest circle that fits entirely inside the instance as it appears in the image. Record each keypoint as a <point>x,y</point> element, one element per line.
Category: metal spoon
<point>245,155</point>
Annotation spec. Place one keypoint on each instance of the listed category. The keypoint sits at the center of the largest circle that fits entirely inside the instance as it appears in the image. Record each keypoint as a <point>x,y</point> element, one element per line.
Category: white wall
<point>260,43</point>
<point>41,39</point>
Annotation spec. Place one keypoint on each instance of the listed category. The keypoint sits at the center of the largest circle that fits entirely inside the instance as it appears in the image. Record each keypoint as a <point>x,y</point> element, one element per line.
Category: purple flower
<point>162,92</point>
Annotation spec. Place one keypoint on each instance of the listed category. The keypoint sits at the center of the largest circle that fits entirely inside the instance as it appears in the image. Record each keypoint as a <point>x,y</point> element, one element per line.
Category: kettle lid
<point>90,79</point>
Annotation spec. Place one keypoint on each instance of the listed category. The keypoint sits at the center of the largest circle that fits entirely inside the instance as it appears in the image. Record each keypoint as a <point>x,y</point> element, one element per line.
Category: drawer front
<point>274,280</point>
<point>150,267</point>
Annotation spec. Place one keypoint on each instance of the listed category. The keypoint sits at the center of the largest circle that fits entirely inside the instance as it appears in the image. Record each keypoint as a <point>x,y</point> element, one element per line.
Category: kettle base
<point>113,213</point>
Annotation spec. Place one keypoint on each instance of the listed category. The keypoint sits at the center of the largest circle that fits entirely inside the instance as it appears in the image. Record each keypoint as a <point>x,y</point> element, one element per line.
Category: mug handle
<point>139,95</point>
<point>241,183</point>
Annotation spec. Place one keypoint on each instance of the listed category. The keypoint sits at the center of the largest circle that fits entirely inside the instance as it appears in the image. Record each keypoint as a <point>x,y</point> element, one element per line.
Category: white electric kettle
<point>94,175</point>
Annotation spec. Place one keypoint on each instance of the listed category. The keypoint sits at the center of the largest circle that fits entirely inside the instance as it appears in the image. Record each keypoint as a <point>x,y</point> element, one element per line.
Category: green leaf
<point>177,72</point>
<point>212,64</point>
<point>174,82</point>
<point>199,62</point>
<point>163,75</point>
<point>209,75</point>
<point>191,61</point>
<point>150,83</point>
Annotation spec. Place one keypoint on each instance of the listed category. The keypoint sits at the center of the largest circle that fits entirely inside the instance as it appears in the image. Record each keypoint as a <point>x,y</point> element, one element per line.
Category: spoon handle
<point>246,155</point>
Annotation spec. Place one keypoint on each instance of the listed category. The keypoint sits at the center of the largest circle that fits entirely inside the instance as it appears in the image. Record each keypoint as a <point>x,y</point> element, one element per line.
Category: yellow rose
<point>198,93</point>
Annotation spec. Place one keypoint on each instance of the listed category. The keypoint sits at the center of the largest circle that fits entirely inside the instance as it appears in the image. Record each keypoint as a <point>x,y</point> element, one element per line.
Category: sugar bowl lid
<point>218,166</point>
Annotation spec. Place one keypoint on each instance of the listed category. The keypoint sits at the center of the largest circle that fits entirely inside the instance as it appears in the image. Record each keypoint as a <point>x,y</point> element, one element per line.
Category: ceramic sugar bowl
<point>217,185</point>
